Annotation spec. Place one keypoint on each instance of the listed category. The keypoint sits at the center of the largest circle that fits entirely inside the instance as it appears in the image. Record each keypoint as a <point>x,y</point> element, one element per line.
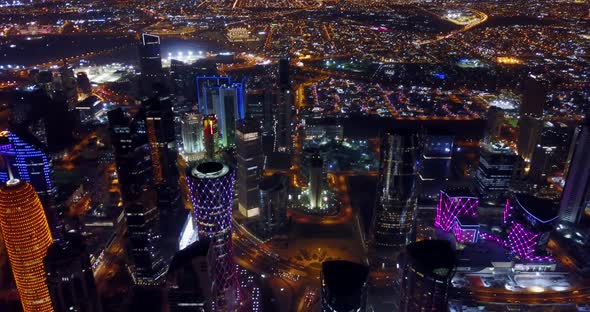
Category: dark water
<point>31,50</point>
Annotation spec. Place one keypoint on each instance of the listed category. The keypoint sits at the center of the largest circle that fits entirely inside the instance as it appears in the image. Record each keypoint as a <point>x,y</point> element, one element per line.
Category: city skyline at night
<point>294,156</point>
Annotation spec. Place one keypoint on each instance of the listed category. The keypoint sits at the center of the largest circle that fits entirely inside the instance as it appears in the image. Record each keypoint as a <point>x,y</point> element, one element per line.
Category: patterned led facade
<point>211,186</point>
<point>29,163</point>
<point>449,207</point>
<point>27,237</point>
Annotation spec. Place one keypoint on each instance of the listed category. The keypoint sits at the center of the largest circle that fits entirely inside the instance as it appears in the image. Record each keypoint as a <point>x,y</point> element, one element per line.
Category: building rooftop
<point>543,210</point>
<point>344,278</point>
<point>433,256</point>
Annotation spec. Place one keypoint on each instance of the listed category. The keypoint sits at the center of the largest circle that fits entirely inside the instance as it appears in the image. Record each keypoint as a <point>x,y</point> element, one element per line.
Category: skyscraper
<point>530,123</point>
<point>284,75</point>
<point>205,86</point>
<point>68,85</point>
<point>228,106</point>
<point>435,164</point>
<point>283,114</point>
<point>211,187</point>
<point>210,135</point>
<point>69,276</point>
<point>496,166</point>
<point>395,214</point>
<point>26,236</point>
<point>188,281</point>
<point>28,160</point>
<point>576,193</point>
<point>273,204</point>
<point>192,136</point>
<point>159,122</point>
<point>150,63</point>
<point>143,226</point>
<point>317,182</point>
<point>344,286</point>
<point>250,165</point>
<point>426,270</point>
<point>494,120</point>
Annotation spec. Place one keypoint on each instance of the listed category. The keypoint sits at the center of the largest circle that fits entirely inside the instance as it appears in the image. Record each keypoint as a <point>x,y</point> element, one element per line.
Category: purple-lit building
<point>530,220</point>
<point>211,186</point>
<point>450,206</point>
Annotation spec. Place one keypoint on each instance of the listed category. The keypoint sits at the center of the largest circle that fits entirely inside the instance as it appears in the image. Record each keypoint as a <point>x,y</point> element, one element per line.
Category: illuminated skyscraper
<point>496,166</point>
<point>27,158</point>
<point>26,236</point>
<point>317,182</point>
<point>344,286</point>
<point>211,186</point>
<point>143,226</point>
<point>150,63</point>
<point>576,193</point>
<point>435,164</point>
<point>395,214</point>
<point>250,165</point>
<point>68,84</point>
<point>159,122</point>
<point>426,270</point>
<point>69,276</point>
<point>530,123</point>
<point>273,203</point>
<point>228,106</point>
<point>210,135</point>
<point>205,87</point>
<point>192,134</point>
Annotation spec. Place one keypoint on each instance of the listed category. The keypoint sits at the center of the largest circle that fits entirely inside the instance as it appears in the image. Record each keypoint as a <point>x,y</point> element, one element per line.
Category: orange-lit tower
<point>27,237</point>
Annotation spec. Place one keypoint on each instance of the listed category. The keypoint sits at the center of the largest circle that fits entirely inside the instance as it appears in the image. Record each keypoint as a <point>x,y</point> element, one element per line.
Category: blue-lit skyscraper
<point>224,98</point>
<point>28,161</point>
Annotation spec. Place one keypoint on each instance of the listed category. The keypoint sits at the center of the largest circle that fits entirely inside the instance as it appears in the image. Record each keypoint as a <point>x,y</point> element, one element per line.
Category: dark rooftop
<point>540,208</point>
<point>344,278</point>
<point>432,255</point>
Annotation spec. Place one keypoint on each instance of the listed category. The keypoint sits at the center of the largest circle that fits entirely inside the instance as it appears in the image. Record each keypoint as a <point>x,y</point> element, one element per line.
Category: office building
<point>26,236</point>
<point>426,268</point>
<point>317,182</point>
<point>159,122</point>
<point>395,214</point>
<point>188,281</point>
<point>530,221</point>
<point>530,122</point>
<point>284,75</point>
<point>493,176</point>
<point>69,276</point>
<point>344,286</point>
<point>249,169</point>
<point>205,87</point>
<point>228,106</point>
<point>145,239</point>
<point>435,164</point>
<point>283,113</point>
<point>210,135</point>
<point>84,85</point>
<point>211,187</point>
<point>494,120</point>
<point>273,204</point>
<point>69,86</point>
<point>192,136</point>
<point>28,159</point>
<point>150,63</point>
<point>576,192</point>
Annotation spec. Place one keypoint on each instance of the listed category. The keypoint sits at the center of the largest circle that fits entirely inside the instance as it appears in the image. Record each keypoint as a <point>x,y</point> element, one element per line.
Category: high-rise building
<point>211,186</point>
<point>395,214</point>
<point>435,164</point>
<point>250,165</point>
<point>283,114</point>
<point>494,120</point>
<point>344,286</point>
<point>68,85</point>
<point>576,193</point>
<point>28,160</point>
<point>210,135</point>
<point>26,236</point>
<point>228,106</point>
<point>530,123</point>
<point>159,122</point>
<point>273,204</point>
<point>317,182</point>
<point>284,75</point>
<point>188,281</point>
<point>132,154</point>
<point>150,63</point>
<point>84,85</point>
<point>205,86</point>
<point>426,268</point>
<point>493,176</point>
<point>192,135</point>
<point>143,226</point>
<point>69,276</point>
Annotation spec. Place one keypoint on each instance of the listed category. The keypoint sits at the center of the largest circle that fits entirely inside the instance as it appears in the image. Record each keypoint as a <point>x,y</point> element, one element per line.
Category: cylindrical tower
<point>211,186</point>
<point>27,237</point>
